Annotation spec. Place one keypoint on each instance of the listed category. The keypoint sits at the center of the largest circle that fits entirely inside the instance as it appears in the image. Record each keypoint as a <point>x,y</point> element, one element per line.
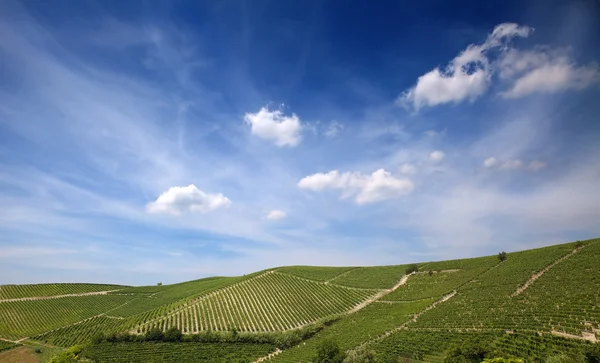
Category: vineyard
<point>176,352</point>
<point>272,301</point>
<point>531,305</point>
<point>24,291</point>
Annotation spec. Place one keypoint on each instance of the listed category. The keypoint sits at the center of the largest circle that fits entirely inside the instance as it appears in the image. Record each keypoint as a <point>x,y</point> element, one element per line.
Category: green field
<point>299,307</point>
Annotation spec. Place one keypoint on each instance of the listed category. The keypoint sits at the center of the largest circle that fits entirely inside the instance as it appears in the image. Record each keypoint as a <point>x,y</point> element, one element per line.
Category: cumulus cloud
<point>466,77</point>
<point>490,162</point>
<point>408,168</point>
<point>333,129</point>
<point>378,186</point>
<point>178,200</point>
<point>275,126</point>
<point>544,70</point>
<point>276,215</point>
<point>436,156</point>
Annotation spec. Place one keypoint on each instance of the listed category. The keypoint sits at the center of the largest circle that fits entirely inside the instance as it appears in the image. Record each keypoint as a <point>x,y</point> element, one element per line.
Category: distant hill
<point>533,304</point>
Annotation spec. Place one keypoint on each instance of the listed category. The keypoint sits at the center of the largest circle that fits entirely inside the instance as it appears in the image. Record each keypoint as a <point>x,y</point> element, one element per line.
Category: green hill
<point>534,304</point>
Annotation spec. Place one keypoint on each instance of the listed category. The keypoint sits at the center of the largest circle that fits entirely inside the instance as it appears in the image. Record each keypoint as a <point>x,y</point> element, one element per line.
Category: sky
<point>147,141</point>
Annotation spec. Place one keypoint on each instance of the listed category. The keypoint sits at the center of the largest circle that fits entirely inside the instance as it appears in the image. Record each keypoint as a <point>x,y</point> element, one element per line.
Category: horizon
<point>174,142</point>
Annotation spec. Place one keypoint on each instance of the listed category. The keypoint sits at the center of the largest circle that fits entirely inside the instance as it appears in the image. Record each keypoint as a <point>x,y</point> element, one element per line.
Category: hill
<point>534,304</point>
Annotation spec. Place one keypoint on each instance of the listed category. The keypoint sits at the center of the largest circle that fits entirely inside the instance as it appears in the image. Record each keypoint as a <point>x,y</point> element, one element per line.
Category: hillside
<point>534,304</point>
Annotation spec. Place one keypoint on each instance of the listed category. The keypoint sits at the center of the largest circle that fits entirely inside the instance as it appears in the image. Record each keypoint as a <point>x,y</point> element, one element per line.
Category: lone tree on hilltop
<point>502,256</point>
<point>159,284</point>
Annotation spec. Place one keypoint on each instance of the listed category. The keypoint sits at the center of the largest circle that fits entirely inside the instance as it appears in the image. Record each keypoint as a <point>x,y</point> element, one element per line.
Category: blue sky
<point>165,141</point>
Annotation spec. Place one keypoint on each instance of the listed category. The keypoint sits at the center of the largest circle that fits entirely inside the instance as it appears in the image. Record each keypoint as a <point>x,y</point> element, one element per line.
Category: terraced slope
<point>378,277</point>
<point>565,299</point>
<point>273,301</point>
<point>32,317</point>
<point>43,290</point>
<point>316,273</point>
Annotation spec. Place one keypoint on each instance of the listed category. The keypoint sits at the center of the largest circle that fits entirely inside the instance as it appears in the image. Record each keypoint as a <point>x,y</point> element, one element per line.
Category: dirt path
<point>591,337</point>
<point>340,275</point>
<point>539,274</point>
<point>379,295</point>
<point>414,319</point>
<point>57,296</point>
<point>268,356</point>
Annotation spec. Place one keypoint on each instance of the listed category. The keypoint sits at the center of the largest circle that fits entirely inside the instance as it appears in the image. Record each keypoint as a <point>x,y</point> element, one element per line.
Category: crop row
<point>33,317</point>
<point>353,330</point>
<point>377,277</point>
<point>20,291</point>
<point>151,300</point>
<point>270,302</point>
<point>82,332</point>
<point>176,352</point>
<point>316,273</point>
<point>558,300</point>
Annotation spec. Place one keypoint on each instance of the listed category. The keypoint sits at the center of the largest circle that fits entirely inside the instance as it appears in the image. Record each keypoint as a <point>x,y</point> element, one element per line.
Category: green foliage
<point>502,256</point>
<point>592,354</point>
<point>154,335</point>
<point>4,345</point>
<point>159,352</point>
<point>378,277</point>
<point>159,284</point>
<point>412,268</point>
<point>93,329</point>
<point>469,351</point>
<point>272,301</point>
<point>32,317</point>
<point>503,360</point>
<point>362,354</point>
<point>22,291</point>
<point>173,335</point>
<point>566,358</point>
<point>317,273</point>
<point>328,351</point>
<point>67,356</point>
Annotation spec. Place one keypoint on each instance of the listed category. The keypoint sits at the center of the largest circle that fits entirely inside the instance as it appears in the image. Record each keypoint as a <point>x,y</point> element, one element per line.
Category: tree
<point>412,268</point>
<point>154,335</point>
<point>592,354</point>
<point>173,335</point>
<point>159,284</point>
<point>470,351</point>
<point>578,244</point>
<point>502,256</point>
<point>360,355</point>
<point>430,273</point>
<point>329,352</point>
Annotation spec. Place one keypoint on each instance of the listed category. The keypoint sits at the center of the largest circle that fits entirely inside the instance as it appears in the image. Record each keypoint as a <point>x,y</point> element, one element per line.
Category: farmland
<point>533,304</point>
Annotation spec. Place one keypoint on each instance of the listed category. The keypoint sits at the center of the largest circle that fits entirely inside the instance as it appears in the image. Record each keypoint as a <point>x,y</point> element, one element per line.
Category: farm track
<point>340,275</point>
<point>537,275</point>
<point>33,298</point>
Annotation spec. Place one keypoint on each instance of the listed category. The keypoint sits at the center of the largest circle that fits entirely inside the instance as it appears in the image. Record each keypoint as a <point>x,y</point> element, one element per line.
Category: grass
<point>379,277</point>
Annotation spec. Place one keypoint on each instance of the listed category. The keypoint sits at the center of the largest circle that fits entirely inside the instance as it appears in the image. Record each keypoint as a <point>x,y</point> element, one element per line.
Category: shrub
<point>502,256</point>
<point>154,335</point>
<point>360,355</point>
<point>173,335</point>
<point>412,268</point>
<point>328,351</point>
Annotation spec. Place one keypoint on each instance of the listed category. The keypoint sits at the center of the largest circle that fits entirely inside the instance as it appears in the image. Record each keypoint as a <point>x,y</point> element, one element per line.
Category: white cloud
<point>333,129</point>
<point>378,186</point>
<point>466,77</point>
<point>276,215</point>
<point>511,165</point>
<point>490,162</point>
<point>436,156</point>
<point>408,168</point>
<point>178,200</point>
<point>550,76</point>
<point>275,126</point>
<point>536,165</point>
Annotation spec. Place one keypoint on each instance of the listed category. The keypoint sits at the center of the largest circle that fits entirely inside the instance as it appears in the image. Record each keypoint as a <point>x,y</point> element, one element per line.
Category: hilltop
<point>533,304</point>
